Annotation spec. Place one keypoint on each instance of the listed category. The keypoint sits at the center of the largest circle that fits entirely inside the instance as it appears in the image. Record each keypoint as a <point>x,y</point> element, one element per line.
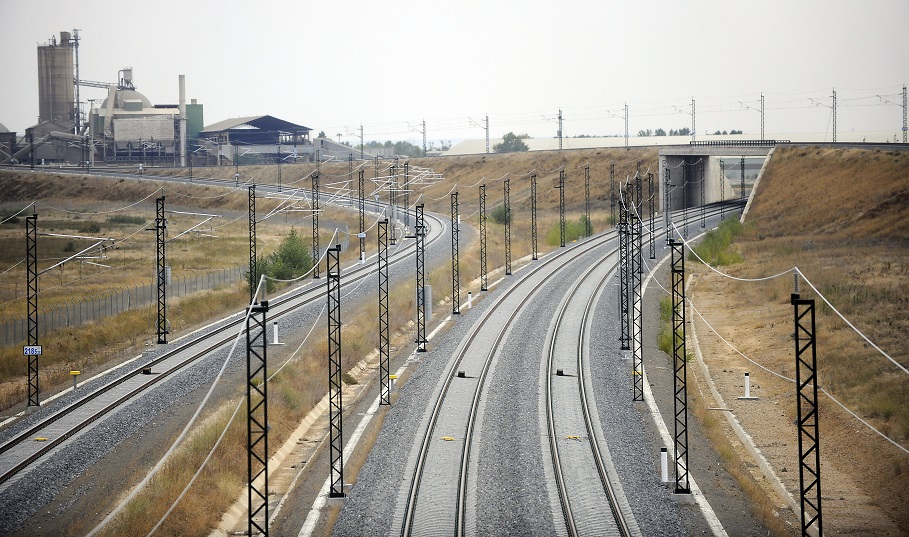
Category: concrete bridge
<point>689,167</point>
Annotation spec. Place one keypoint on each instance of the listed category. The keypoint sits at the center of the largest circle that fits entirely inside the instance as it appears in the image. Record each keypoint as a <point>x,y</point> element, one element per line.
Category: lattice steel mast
<point>483,273</point>
<point>455,268</point>
<point>806,396</point>
<point>384,347</point>
<point>316,249</point>
<point>679,360</point>
<point>257,419</point>
<point>31,250</point>
<point>420,229</point>
<point>335,403</point>
<point>507,202</point>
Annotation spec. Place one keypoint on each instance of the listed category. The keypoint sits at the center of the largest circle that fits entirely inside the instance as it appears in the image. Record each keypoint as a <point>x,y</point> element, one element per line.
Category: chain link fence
<point>14,329</point>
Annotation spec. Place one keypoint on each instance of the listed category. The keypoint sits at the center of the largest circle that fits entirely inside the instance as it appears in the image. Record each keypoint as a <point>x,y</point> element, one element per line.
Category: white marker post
<point>748,388</point>
<point>664,465</point>
<point>275,329</point>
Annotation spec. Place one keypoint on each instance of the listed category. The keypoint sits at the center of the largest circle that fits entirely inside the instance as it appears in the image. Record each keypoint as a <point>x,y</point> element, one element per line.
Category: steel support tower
<point>393,203</point>
<point>762,117</point>
<point>406,193</point>
<point>612,196</point>
<point>667,203</point>
<point>588,229</point>
<point>420,229</point>
<point>384,347</point>
<point>533,216</point>
<point>742,179</point>
<point>455,268</point>
<point>253,258</point>
<point>487,135</point>
<point>686,179</point>
<point>161,270</point>
<point>561,188</point>
<point>31,251</point>
<point>639,221</point>
<point>637,316</point>
<point>335,404</point>
<point>679,360</point>
<point>257,418</point>
<point>722,189</point>
<point>703,199</point>
<point>624,275</point>
<point>905,124</point>
<point>483,273</point>
<point>834,116</point>
<point>361,191</point>
<point>652,199</point>
<point>626,125</point>
<point>560,129</point>
<point>806,396</point>
<point>316,249</point>
<point>507,198</point>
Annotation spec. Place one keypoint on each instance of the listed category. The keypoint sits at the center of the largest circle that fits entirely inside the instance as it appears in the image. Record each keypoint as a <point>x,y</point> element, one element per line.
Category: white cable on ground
<point>743,355</point>
<point>160,464</point>
<point>857,331</point>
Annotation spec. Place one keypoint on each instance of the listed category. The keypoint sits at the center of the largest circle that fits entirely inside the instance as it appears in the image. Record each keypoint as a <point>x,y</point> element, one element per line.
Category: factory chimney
<point>183,121</point>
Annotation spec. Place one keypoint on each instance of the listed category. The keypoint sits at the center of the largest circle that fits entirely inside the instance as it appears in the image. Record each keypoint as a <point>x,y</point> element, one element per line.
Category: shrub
<point>125,219</point>
<point>574,230</point>
<point>715,248</point>
<point>291,260</point>
<point>498,215</point>
<point>89,227</point>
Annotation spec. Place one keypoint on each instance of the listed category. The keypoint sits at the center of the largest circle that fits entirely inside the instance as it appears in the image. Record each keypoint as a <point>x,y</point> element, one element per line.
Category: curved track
<point>435,500</point>
<point>21,451</point>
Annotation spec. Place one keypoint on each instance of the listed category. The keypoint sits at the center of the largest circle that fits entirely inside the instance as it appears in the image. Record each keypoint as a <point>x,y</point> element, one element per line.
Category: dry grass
<point>842,217</point>
<point>85,205</point>
<point>815,210</point>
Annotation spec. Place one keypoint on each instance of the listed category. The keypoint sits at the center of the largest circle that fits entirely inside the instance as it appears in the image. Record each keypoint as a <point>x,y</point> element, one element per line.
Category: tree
<point>291,260</point>
<point>322,134</point>
<point>512,143</point>
<point>659,132</point>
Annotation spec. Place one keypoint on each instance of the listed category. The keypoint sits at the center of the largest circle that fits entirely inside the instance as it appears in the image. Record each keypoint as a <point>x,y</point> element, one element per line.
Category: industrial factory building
<point>257,140</point>
<point>126,127</point>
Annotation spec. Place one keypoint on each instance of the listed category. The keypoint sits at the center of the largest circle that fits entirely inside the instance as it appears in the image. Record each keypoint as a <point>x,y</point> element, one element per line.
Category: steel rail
<point>565,256</point>
<point>290,301</point>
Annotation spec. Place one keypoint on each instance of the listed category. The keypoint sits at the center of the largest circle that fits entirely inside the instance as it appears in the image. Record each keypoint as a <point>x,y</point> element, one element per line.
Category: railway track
<point>30,445</point>
<point>568,415</point>
<point>435,501</point>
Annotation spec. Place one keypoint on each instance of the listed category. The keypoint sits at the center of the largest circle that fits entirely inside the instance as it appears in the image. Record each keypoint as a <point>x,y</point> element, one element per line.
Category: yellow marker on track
<point>40,439</point>
<point>448,438</point>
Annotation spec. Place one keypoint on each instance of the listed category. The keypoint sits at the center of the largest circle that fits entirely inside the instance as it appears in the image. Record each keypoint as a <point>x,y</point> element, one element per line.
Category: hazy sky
<point>390,65</point>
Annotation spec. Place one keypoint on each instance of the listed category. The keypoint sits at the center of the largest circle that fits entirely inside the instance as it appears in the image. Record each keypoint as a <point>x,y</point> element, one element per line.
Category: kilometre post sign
<point>31,350</point>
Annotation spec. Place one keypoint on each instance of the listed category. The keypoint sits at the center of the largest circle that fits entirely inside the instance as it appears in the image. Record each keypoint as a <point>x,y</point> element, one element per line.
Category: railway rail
<point>21,451</point>
<point>435,499</point>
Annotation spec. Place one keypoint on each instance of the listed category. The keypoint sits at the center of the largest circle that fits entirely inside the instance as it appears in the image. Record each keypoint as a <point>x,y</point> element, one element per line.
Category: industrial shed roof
<point>264,123</point>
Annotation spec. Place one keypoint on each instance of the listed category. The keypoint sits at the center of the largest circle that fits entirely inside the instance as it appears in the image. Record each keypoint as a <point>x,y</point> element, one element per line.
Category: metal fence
<point>75,313</point>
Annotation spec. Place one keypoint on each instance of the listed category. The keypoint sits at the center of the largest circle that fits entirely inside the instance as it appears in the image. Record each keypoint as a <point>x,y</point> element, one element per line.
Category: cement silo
<point>56,99</point>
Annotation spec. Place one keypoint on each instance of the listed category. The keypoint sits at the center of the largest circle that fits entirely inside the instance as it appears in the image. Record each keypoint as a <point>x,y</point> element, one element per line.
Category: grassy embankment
<point>842,217</point>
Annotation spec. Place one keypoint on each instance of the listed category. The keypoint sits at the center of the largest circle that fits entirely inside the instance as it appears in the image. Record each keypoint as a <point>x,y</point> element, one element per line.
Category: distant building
<point>255,139</point>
